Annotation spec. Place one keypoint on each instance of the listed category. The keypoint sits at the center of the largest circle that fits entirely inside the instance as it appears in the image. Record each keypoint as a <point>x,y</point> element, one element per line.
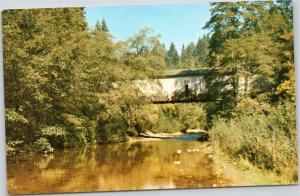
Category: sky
<point>178,23</point>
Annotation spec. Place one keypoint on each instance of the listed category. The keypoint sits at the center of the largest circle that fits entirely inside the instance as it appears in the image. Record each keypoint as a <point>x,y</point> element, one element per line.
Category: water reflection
<point>142,165</point>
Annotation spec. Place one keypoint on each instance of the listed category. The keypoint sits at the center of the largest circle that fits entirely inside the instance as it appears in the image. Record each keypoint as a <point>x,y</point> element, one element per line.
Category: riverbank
<point>189,135</point>
<point>149,136</point>
<point>243,173</point>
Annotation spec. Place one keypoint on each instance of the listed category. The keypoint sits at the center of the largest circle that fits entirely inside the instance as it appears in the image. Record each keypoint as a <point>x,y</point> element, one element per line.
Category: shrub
<point>16,125</point>
<point>266,140</point>
<point>79,131</point>
<point>180,117</point>
<point>168,125</point>
<point>12,147</point>
<point>145,119</point>
<point>111,128</point>
<point>55,135</point>
<point>191,116</point>
<point>13,117</point>
<point>42,146</point>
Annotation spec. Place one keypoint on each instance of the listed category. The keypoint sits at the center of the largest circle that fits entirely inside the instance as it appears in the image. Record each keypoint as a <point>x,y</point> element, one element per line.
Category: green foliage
<point>189,56</point>
<point>143,55</point>
<point>146,118</point>
<point>62,80</point>
<point>119,114</point>
<point>101,26</point>
<point>55,135</point>
<point>13,117</point>
<point>240,45</point>
<point>42,146</point>
<point>43,53</point>
<point>255,119</point>
<point>192,116</point>
<point>180,117</point>
<point>172,57</point>
<point>266,140</point>
<point>79,131</point>
<point>250,42</point>
<point>192,56</point>
<point>12,146</point>
<point>16,128</point>
<point>201,50</point>
<point>111,128</point>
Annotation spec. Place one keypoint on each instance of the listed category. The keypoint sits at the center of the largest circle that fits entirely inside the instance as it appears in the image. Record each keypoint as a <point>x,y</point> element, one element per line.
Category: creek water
<point>164,164</point>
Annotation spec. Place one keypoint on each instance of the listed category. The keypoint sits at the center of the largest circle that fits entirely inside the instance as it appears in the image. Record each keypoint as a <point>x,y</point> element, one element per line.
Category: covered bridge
<point>176,85</point>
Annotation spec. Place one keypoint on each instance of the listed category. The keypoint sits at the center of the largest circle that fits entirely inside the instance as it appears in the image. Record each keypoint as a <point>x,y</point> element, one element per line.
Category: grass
<point>264,145</point>
<point>244,173</point>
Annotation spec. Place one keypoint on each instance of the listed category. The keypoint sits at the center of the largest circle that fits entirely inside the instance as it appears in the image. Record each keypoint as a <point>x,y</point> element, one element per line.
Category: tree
<point>172,57</point>
<point>104,26</point>
<point>191,59</point>
<point>202,51</point>
<point>143,54</point>
<point>245,49</point>
<point>41,75</point>
<point>101,26</point>
<point>183,54</point>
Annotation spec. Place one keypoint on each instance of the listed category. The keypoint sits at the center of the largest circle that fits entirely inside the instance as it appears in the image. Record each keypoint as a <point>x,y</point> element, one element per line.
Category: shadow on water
<point>173,163</point>
<point>188,137</point>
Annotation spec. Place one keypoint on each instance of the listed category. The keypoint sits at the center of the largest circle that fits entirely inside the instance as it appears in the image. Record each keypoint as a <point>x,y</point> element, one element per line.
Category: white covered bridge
<point>179,85</point>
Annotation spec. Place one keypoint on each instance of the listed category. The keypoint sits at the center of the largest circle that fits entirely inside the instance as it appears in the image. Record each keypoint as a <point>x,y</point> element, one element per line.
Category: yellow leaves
<point>287,36</point>
<point>251,106</point>
<point>288,45</point>
<point>288,87</point>
<point>230,29</point>
<point>288,53</point>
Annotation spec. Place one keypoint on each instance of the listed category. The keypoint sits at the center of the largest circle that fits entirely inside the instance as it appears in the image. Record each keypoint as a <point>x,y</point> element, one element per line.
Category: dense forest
<point>69,85</point>
<point>191,56</point>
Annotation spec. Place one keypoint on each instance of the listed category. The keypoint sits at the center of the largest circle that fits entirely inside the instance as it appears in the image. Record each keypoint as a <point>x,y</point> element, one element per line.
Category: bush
<point>145,119</point>
<point>16,125</point>
<point>42,146</point>
<point>79,131</point>
<point>55,135</point>
<point>266,140</point>
<point>12,147</point>
<point>180,117</point>
<point>111,128</point>
<point>168,125</point>
<point>192,116</point>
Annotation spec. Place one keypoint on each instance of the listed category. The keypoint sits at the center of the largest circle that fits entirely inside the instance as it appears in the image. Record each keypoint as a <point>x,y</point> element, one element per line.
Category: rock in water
<point>203,137</point>
<point>177,162</point>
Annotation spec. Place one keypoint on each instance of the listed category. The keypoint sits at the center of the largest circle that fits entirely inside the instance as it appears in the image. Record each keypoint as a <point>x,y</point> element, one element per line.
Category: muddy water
<point>164,164</point>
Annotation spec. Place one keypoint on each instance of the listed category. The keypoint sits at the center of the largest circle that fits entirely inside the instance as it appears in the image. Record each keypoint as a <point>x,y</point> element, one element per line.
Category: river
<point>163,164</point>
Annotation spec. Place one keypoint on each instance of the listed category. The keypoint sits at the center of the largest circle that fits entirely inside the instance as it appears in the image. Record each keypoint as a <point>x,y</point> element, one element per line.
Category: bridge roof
<point>185,72</point>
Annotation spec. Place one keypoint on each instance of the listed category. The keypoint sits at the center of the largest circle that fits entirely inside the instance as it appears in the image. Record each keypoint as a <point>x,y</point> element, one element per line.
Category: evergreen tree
<point>190,56</point>
<point>190,50</point>
<point>183,55</point>
<point>245,43</point>
<point>202,50</point>
<point>98,25</point>
<point>104,26</point>
<point>172,57</point>
<point>101,26</point>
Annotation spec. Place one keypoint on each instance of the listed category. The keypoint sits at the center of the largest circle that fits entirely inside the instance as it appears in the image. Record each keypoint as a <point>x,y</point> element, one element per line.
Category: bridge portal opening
<point>186,90</point>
